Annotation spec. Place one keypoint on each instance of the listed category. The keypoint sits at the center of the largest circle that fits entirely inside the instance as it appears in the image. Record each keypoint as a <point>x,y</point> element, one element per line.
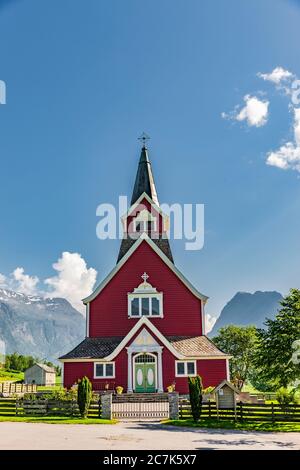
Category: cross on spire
<point>145,277</point>
<point>143,138</point>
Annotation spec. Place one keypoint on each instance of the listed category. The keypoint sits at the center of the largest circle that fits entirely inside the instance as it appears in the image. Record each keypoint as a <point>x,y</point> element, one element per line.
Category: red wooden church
<point>145,321</point>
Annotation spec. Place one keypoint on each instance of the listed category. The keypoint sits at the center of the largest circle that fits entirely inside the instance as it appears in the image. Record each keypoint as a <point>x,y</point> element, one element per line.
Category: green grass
<point>48,388</point>
<point>246,426</point>
<point>55,420</point>
<point>11,375</point>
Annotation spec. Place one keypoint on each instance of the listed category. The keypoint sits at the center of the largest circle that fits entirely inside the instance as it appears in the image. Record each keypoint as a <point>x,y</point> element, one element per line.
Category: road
<point>137,435</point>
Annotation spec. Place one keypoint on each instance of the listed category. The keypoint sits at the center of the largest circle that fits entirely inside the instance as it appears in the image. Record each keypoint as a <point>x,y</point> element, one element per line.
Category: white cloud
<point>209,322</point>
<point>288,155</point>
<point>255,111</point>
<point>73,281</point>
<point>25,283</point>
<point>2,280</point>
<point>277,75</point>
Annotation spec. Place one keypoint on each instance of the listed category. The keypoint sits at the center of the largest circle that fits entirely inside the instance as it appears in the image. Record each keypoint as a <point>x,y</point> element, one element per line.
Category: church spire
<point>144,181</point>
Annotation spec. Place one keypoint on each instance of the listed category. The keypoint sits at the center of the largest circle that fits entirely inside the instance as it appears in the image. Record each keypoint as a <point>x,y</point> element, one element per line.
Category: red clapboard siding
<point>182,310</point>
<point>76,370</point>
<point>212,371</point>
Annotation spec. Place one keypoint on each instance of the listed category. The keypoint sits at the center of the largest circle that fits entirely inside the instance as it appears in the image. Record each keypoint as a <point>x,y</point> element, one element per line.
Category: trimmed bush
<point>84,395</point>
<point>195,389</point>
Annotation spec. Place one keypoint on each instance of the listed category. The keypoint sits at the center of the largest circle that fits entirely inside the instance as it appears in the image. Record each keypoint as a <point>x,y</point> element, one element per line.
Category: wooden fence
<point>11,388</point>
<point>16,407</point>
<point>244,412</point>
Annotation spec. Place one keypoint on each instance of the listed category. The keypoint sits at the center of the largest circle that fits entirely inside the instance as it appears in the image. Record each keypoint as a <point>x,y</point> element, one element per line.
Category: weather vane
<point>143,138</point>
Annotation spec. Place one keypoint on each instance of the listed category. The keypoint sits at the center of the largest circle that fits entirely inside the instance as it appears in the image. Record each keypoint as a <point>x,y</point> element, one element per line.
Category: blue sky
<point>84,79</point>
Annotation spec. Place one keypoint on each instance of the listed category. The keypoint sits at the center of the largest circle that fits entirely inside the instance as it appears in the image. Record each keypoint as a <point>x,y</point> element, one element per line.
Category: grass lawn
<point>11,375</point>
<point>246,426</point>
<point>56,420</point>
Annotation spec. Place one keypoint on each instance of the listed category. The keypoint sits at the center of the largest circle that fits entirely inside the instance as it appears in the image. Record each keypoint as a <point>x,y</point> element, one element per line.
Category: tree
<point>276,350</point>
<point>84,395</point>
<point>195,389</point>
<point>240,342</point>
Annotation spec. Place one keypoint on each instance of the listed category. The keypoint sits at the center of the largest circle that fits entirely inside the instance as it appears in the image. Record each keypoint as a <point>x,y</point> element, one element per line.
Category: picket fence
<point>11,388</point>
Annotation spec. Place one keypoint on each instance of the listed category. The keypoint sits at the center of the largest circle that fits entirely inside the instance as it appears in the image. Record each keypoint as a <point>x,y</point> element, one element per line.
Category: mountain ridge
<point>37,326</point>
<point>247,308</point>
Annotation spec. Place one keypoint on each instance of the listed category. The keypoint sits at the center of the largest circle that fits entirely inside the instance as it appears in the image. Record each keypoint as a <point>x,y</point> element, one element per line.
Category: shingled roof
<point>162,243</point>
<point>98,348</point>
<point>45,367</point>
<point>195,346</point>
<point>94,348</point>
<point>144,181</point>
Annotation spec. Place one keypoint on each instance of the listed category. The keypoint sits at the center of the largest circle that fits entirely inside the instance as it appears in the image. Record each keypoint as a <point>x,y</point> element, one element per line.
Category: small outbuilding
<point>226,395</point>
<point>40,374</point>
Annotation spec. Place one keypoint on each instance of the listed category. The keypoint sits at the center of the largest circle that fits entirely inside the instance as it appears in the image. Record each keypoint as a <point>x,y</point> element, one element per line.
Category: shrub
<point>84,395</point>
<point>286,397</point>
<point>195,389</point>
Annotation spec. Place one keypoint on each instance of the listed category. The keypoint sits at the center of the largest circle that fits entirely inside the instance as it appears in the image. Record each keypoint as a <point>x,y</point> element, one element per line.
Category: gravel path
<point>137,435</point>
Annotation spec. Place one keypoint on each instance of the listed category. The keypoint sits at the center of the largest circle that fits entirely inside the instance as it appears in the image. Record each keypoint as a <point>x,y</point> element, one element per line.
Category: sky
<point>209,81</point>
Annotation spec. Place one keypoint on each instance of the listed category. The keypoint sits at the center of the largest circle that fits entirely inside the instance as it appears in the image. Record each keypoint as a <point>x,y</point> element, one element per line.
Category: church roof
<point>162,243</point>
<point>195,346</point>
<point>144,181</point>
<point>101,347</point>
<point>94,348</point>
<point>144,238</point>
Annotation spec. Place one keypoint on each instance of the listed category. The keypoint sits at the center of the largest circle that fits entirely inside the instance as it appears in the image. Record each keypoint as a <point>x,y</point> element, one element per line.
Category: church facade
<point>145,322</point>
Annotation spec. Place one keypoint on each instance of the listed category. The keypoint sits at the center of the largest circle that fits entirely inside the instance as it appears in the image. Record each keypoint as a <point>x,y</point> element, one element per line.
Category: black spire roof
<point>144,182</point>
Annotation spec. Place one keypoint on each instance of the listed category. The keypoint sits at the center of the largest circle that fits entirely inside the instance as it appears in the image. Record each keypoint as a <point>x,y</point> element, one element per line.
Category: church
<point>145,322</point>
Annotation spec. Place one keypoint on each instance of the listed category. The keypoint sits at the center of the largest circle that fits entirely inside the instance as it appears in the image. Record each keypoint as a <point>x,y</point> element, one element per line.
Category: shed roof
<point>225,382</point>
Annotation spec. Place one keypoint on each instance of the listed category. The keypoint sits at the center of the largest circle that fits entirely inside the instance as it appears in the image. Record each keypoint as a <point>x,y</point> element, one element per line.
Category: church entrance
<point>145,373</point>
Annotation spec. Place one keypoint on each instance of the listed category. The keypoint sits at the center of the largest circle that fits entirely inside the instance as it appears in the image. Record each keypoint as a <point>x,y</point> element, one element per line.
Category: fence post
<point>173,405</point>
<point>99,407</point>
<point>273,414</point>
<point>106,406</point>
<point>241,411</point>
<point>209,409</point>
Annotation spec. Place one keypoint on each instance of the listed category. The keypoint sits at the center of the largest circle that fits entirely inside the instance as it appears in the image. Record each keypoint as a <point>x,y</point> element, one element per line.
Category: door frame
<point>134,356</point>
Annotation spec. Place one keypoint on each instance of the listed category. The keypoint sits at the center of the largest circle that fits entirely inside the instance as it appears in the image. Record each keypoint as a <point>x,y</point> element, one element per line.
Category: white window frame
<point>185,374</point>
<point>143,218</point>
<point>104,370</point>
<point>157,295</point>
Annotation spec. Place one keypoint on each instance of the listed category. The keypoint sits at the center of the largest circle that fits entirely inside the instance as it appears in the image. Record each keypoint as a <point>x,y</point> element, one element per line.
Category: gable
<point>143,335</point>
<point>144,238</point>
<point>144,338</point>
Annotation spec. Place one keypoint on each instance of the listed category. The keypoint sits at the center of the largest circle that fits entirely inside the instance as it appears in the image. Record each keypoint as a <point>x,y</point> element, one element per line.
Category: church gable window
<point>144,222</point>
<point>145,301</point>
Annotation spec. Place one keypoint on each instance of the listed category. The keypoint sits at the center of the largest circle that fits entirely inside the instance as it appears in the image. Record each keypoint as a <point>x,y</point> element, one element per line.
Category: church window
<point>145,300</point>
<point>104,370</point>
<point>185,368</point>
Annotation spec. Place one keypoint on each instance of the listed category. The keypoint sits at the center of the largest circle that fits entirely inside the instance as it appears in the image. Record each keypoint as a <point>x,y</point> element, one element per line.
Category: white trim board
<point>137,203</point>
<point>184,358</point>
<point>144,238</point>
<point>145,321</point>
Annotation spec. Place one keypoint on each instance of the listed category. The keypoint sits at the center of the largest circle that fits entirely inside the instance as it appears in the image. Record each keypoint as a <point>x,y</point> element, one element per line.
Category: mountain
<point>46,328</point>
<point>248,309</point>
